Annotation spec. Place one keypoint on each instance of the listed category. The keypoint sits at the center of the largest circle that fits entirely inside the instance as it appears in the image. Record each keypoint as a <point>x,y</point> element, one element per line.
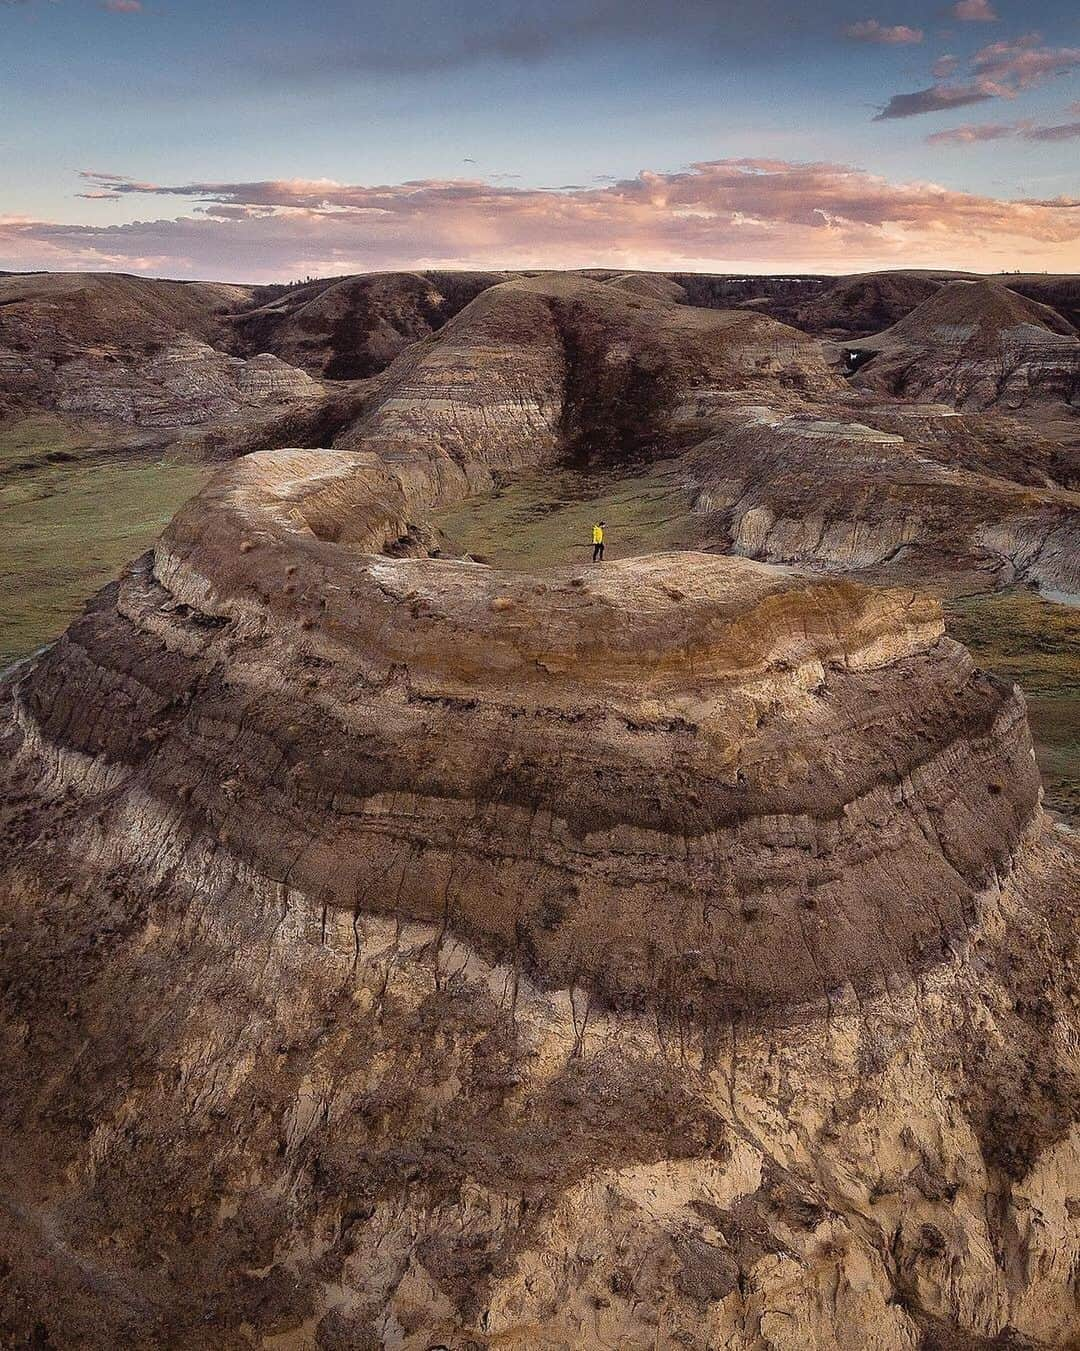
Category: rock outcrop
<point>185,383</point>
<point>352,327</point>
<point>849,496</point>
<point>563,365</point>
<point>782,465</point>
<point>401,952</point>
<point>131,353</point>
<point>975,345</point>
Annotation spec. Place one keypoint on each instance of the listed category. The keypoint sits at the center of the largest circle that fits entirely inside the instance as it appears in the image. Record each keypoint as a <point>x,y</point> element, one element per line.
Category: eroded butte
<point>406,952</point>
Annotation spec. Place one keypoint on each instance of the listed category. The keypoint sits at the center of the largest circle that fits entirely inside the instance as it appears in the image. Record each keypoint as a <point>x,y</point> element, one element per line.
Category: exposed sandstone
<point>776,488</point>
<point>974,344</point>
<point>413,953</point>
<point>127,352</point>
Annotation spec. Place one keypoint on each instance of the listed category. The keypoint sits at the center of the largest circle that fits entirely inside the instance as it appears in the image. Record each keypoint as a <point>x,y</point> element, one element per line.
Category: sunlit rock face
<point>844,497</point>
<point>404,952</point>
<point>975,345</point>
<point>661,775</point>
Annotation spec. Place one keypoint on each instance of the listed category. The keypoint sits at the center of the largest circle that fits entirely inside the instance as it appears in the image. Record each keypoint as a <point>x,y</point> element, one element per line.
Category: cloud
<point>870,30</point>
<point>970,134</point>
<point>935,99</point>
<point>998,70</point>
<point>122,6</point>
<point>1023,63</point>
<point>945,66</point>
<point>716,215</point>
<point>1065,131</point>
<point>974,11</point>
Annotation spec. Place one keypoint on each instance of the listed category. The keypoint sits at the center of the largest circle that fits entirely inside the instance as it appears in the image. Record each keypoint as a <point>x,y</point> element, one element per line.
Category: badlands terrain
<point>416,936</point>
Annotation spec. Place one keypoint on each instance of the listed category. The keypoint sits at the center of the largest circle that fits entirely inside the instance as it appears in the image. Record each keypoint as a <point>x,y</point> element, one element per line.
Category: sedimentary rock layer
<point>401,952</point>
<point>976,345</point>
<point>659,778</point>
<point>849,496</point>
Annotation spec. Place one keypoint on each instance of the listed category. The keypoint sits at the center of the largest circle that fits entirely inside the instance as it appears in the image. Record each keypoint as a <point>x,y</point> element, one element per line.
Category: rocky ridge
<point>353,327</point>
<point>786,464</point>
<point>129,353</point>
<point>975,345</point>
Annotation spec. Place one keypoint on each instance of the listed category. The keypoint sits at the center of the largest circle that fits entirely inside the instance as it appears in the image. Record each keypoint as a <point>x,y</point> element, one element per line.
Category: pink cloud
<point>974,11</point>
<point>971,133</point>
<point>870,30</point>
<point>1023,63</point>
<point>945,66</point>
<point>1000,70</point>
<point>718,215</point>
<point>123,6</point>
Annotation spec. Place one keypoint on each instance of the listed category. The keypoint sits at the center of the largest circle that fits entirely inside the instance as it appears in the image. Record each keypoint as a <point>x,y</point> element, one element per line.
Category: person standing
<point>598,542</point>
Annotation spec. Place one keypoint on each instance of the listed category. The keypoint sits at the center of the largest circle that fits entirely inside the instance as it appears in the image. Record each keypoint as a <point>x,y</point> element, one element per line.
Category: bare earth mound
<point>147,358</point>
<point>353,327</point>
<point>403,952</point>
<point>974,344</point>
<point>867,304</point>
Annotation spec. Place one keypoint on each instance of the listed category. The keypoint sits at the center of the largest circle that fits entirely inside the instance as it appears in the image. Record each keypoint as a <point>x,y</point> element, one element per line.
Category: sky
<point>269,140</point>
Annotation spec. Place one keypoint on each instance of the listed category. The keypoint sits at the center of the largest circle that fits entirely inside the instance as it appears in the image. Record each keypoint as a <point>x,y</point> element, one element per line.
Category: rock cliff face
<point>786,464</point>
<point>976,345</point>
<point>847,496</point>
<point>401,952</point>
<point>187,382</point>
<point>558,366</point>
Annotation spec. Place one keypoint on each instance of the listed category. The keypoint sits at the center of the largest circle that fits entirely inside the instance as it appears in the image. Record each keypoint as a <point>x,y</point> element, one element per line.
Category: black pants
<point>597,553</point>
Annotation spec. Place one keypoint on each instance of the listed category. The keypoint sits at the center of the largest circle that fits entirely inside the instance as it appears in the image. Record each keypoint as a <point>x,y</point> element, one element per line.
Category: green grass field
<point>70,518</point>
<point>1036,643</point>
<point>544,520</point>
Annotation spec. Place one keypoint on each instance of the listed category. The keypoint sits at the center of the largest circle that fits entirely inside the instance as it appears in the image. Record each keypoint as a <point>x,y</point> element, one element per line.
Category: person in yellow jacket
<point>598,542</point>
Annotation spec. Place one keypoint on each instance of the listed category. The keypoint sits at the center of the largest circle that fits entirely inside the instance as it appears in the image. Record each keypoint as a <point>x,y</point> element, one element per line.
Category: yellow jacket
<point>598,534</point>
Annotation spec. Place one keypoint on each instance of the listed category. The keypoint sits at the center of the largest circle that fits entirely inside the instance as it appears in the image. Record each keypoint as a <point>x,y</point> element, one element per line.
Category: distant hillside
<point>974,344</point>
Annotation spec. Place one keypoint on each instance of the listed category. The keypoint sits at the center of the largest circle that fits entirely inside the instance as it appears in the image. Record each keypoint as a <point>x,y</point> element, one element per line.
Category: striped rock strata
<point>404,953</point>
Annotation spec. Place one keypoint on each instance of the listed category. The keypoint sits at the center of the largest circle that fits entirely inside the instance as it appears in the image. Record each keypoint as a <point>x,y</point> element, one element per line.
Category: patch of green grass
<point>1035,643</point>
<point>545,519</point>
<point>67,528</point>
<point>40,439</point>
